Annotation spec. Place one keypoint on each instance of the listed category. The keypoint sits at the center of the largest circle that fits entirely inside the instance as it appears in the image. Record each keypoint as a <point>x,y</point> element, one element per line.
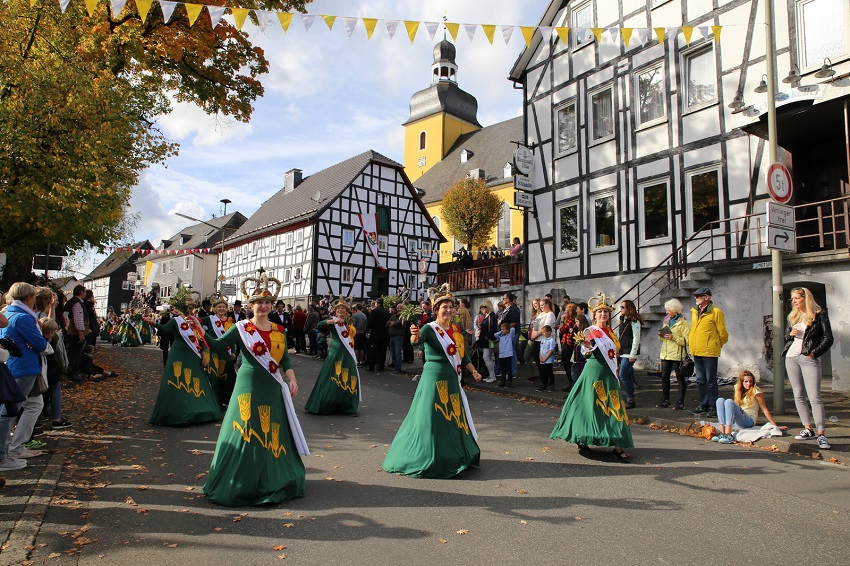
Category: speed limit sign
<point>779,183</point>
<point>423,266</point>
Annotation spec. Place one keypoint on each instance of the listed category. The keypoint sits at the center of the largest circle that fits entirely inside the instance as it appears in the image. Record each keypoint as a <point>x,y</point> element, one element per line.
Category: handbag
<point>700,430</point>
<point>10,394</point>
<point>40,386</point>
<point>687,365</point>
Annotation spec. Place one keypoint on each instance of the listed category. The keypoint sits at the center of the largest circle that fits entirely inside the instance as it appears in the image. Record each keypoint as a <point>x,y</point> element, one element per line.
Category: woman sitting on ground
<point>743,410</point>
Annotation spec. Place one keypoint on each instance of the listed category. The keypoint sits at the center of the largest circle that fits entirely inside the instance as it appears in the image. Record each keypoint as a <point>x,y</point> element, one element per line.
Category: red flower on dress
<point>344,334</point>
<point>459,369</point>
<point>596,334</point>
<point>273,367</point>
<point>219,323</point>
<point>259,348</point>
<point>611,354</point>
<point>184,326</point>
<point>250,328</point>
<point>452,349</point>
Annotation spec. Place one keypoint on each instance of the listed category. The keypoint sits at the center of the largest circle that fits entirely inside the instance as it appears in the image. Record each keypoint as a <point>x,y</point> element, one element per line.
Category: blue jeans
<point>705,370</point>
<point>25,383</point>
<point>627,378</point>
<point>397,351</point>
<point>730,413</point>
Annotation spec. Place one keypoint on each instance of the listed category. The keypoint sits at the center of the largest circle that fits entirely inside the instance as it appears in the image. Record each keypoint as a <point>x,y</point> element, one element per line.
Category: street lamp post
<point>220,262</point>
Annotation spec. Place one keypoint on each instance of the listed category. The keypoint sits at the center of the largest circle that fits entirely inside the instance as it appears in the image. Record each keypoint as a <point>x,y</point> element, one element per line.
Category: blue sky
<point>327,97</point>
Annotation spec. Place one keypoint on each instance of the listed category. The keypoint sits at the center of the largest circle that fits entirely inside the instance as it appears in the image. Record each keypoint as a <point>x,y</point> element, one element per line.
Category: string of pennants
<point>476,254</point>
<point>266,18</point>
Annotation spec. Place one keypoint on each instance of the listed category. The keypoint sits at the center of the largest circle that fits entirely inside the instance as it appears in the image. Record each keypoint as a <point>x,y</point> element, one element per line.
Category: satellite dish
<point>318,196</point>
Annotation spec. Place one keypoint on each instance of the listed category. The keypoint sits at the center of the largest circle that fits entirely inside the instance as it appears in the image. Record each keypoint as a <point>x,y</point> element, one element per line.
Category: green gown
<point>594,413</point>
<point>145,332</point>
<point>256,460</point>
<point>221,369</point>
<point>337,388</point>
<point>127,335</point>
<point>185,393</point>
<point>437,437</point>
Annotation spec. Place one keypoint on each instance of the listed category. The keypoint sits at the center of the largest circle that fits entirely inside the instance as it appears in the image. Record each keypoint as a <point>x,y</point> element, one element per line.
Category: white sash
<point>250,337</point>
<point>606,347</point>
<point>189,335</point>
<point>218,325</point>
<point>343,332</point>
<point>136,328</point>
<point>451,351</point>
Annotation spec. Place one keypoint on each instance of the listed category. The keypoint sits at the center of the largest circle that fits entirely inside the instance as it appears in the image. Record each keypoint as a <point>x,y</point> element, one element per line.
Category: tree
<point>79,97</point>
<point>471,212</point>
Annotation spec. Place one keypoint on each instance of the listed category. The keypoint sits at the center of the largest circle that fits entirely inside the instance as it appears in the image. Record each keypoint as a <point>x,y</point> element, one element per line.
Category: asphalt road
<point>124,492</point>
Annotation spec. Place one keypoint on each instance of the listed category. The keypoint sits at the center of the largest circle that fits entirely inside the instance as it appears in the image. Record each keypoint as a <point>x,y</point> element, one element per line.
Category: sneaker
<point>489,379</point>
<point>37,430</point>
<point>805,434</point>
<point>60,424</point>
<point>700,409</point>
<point>726,439</point>
<point>35,445</point>
<point>415,378</point>
<point>11,464</point>
<point>716,438</point>
<point>822,442</point>
<point>26,453</point>
<point>711,414</point>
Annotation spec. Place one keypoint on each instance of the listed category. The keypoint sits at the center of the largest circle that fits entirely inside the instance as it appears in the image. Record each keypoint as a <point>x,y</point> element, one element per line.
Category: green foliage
<point>471,212</point>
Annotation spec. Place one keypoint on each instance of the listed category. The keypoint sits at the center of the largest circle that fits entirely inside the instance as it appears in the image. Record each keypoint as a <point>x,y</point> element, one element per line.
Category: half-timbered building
<point>648,124</point>
<point>109,281</point>
<point>357,228</point>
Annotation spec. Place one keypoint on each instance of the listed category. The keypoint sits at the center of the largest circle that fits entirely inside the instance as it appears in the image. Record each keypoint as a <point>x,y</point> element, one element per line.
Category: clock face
<point>422,161</point>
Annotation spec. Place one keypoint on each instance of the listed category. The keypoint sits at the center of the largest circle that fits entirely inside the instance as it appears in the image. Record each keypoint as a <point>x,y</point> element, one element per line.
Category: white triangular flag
<point>307,21</point>
<point>167,9</point>
<point>63,4</point>
<point>216,12</point>
<point>507,32</point>
<point>350,24</point>
<point>614,33</point>
<point>470,30</point>
<point>117,7</point>
<point>704,31</point>
<point>392,25</point>
<point>432,28</point>
<point>643,34</point>
<point>264,18</point>
<point>581,34</point>
<point>546,32</point>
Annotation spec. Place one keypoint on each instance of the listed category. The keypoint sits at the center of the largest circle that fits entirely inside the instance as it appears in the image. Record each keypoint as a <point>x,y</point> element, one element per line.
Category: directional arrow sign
<point>781,239</point>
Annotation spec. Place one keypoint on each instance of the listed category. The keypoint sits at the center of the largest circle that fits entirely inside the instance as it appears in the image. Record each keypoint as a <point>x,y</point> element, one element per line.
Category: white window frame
<point>695,51</point>
<point>589,38</point>
<point>636,101</point>
<point>299,237</point>
<point>347,274</point>
<point>297,276</point>
<point>272,243</point>
<point>348,237</point>
<point>595,246</point>
<point>423,140</point>
<point>413,247</point>
<point>689,196</point>
<point>592,140</point>
<point>644,239</point>
<point>561,206</point>
<point>187,263</point>
<point>289,240</point>
<point>287,275</point>
<point>574,103</point>
<point>815,64</point>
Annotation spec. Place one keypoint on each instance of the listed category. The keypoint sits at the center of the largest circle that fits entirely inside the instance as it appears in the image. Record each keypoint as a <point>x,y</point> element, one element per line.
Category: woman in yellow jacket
<point>708,335</point>
<point>673,349</point>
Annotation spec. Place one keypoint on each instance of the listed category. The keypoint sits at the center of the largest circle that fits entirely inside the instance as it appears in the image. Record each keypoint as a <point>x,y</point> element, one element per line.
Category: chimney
<point>293,179</point>
<point>477,174</point>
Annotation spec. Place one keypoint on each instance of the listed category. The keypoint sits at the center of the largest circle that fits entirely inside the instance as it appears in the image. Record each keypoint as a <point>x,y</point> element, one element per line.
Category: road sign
<point>781,239</point>
<point>132,276</point>
<point>523,160</point>
<point>523,183</point>
<point>228,289</point>
<point>423,265</point>
<point>779,183</point>
<point>780,215</point>
<point>525,200</point>
<point>53,263</point>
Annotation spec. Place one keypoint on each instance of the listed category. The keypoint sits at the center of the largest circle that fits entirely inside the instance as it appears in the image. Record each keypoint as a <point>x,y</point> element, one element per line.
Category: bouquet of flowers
<point>183,300</point>
<point>391,300</point>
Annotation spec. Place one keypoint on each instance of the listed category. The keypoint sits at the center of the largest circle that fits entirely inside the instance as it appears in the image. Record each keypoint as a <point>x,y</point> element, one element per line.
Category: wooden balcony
<point>494,276</point>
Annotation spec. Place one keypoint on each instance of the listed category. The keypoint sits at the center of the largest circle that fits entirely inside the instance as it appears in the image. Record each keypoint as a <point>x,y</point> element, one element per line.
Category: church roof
<point>444,96</point>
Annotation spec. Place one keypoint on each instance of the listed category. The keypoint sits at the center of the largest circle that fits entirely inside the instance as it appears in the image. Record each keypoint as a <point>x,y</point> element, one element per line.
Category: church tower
<point>439,115</point>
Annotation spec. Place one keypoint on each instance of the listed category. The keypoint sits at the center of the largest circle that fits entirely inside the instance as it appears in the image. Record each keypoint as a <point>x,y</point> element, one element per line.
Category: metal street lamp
<point>220,260</point>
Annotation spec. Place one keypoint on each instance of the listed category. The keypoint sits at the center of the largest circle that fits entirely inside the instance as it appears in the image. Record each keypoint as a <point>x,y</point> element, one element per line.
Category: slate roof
<point>491,148</point>
<point>116,260</point>
<point>283,208</point>
<point>203,236</point>
<point>446,97</point>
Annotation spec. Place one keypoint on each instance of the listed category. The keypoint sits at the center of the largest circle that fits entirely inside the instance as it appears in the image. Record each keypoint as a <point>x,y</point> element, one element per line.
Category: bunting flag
<point>265,17</point>
<point>369,223</point>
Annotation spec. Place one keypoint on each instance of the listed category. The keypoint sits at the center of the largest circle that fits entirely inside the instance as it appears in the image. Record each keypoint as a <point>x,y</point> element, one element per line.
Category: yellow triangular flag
<point>716,31</point>
<point>452,29</point>
<point>412,28</point>
<point>239,14</point>
<point>193,11</point>
<point>285,19</point>
<point>563,33</point>
<point>627,35</point>
<point>527,33</point>
<point>659,33</point>
<point>369,24</point>
<point>143,6</point>
<point>330,21</point>
<point>91,6</point>
<point>687,31</point>
<point>598,33</point>
<point>489,30</point>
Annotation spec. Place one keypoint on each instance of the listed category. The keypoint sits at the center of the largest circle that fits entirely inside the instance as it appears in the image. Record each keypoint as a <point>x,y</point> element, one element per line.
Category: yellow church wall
<point>441,132</point>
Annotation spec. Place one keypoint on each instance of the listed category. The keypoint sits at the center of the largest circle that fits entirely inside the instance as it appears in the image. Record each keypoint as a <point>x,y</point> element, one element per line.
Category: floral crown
<point>600,301</point>
<point>440,294</point>
<point>217,298</point>
<point>260,287</point>
<point>342,302</point>
<point>184,300</point>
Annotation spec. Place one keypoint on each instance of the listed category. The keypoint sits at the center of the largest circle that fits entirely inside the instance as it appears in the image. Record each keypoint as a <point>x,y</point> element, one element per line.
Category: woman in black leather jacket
<point>807,338</point>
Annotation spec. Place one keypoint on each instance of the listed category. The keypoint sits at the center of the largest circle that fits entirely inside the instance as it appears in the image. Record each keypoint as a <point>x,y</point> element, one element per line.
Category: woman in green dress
<point>258,454</point>
<point>128,332</point>
<point>437,438</point>
<point>221,368</point>
<point>594,413</point>
<point>337,389</point>
<point>186,395</point>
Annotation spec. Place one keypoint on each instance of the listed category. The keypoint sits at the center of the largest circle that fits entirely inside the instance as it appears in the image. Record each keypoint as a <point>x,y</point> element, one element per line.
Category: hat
<point>279,303</point>
<point>237,303</point>
<point>215,299</point>
<point>342,302</point>
<point>600,302</point>
<point>437,295</point>
<point>702,291</point>
<point>261,287</point>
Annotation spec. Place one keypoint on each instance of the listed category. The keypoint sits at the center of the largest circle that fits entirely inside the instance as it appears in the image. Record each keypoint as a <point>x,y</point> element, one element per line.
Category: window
<point>465,154</point>
<point>272,243</point>
<point>602,114</point>
<point>823,29</point>
<point>655,211</point>
<point>705,198</point>
<point>347,276</point>
<point>187,263</point>
<point>567,127</point>
<point>348,238</point>
<point>422,138</point>
<point>299,237</point>
<point>412,247</point>
<point>289,240</point>
<point>297,276</point>
<point>383,244</point>
<point>287,275</point>
<point>503,234</point>
<point>411,281</point>
<point>604,222</point>
<point>568,229</point>
<point>436,220</point>
<point>650,95</point>
<point>582,17</point>
<point>383,219</point>
<point>700,77</point>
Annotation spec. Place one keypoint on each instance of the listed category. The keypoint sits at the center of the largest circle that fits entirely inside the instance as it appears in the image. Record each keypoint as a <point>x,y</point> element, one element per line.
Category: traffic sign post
<point>423,266</point>
<point>779,183</point>
<point>781,239</point>
<point>780,215</point>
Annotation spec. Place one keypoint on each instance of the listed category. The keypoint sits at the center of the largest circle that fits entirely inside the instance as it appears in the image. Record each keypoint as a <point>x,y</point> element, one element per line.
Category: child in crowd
<point>54,374</point>
<point>506,354</point>
<point>548,347</point>
<point>743,410</point>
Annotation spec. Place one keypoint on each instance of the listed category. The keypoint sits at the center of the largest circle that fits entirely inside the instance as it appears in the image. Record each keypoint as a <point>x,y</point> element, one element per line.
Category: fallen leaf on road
<point>289,525</point>
<point>523,522</point>
<point>142,511</point>
<point>443,541</point>
<point>521,491</point>
<point>217,529</point>
<point>54,555</point>
<point>130,501</point>
<point>143,487</point>
<point>462,532</point>
<point>280,547</point>
<point>172,545</point>
<point>195,452</point>
<point>288,514</point>
<point>189,488</point>
<point>80,541</point>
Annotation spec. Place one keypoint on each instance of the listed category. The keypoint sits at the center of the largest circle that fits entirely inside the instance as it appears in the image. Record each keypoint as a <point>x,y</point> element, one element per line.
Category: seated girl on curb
<point>743,410</point>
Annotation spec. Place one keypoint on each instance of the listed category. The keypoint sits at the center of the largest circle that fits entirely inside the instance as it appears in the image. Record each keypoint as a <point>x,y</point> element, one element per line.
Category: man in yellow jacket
<point>708,335</point>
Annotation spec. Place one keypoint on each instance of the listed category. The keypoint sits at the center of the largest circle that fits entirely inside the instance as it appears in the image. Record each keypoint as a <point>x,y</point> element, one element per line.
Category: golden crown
<point>341,301</point>
<point>600,301</point>
<point>217,298</point>
<point>440,294</point>
<point>260,287</point>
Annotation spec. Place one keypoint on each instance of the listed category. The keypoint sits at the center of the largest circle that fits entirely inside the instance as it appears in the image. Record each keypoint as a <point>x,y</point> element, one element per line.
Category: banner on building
<point>369,222</point>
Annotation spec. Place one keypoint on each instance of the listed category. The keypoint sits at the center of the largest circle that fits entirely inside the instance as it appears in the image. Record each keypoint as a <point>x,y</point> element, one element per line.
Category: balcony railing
<point>499,274</point>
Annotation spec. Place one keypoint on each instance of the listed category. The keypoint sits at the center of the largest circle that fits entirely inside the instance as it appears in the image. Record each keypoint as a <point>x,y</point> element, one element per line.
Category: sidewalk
<point>647,413</point>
